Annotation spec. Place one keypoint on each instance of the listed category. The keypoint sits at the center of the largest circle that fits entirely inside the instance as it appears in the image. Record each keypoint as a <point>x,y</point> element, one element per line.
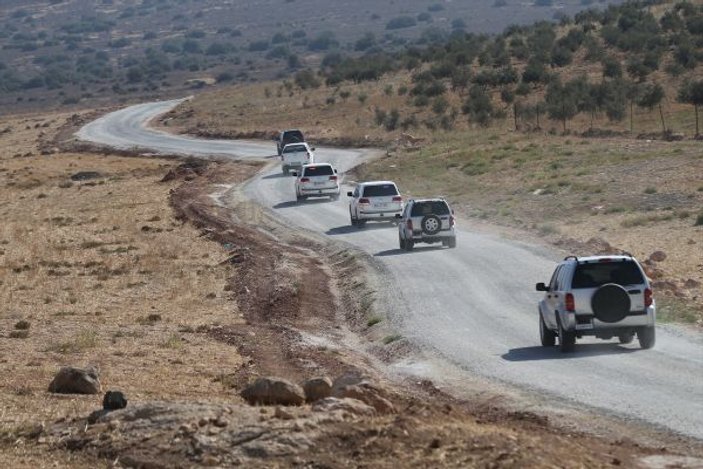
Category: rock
<point>351,378</point>
<point>71,380</point>
<point>368,395</point>
<point>281,413</point>
<point>345,404</point>
<point>114,400</point>
<point>273,391</point>
<point>317,388</point>
<point>657,256</point>
<point>691,283</point>
<point>85,175</point>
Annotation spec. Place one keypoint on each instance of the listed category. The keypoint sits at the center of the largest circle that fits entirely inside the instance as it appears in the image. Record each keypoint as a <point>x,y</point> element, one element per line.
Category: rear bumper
<point>587,324</point>
<point>319,191</point>
<point>379,214</point>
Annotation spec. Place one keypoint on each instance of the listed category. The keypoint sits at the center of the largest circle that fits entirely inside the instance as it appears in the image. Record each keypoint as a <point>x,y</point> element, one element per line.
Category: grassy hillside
<point>635,190</point>
<point>80,52</point>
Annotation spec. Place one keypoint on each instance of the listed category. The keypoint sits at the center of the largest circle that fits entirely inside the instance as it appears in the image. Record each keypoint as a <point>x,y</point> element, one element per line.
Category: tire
<point>409,244</point>
<point>401,242</point>
<point>353,220</point>
<point>626,338</point>
<point>285,171</point>
<point>335,197</point>
<point>300,198</point>
<point>360,223</point>
<point>647,337</point>
<point>567,340</point>
<point>431,224</point>
<point>546,336</point>
<point>610,303</point>
<point>452,245</point>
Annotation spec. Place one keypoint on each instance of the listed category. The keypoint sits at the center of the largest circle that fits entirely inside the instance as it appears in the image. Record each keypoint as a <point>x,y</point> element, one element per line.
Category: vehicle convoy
<point>374,200</point>
<point>295,155</point>
<point>601,296</point>
<point>426,221</point>
<point>286,137</point>
<point>314,180</point>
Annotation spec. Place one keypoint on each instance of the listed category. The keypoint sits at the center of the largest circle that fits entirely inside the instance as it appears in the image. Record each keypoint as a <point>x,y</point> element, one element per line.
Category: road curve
<point>474,305</point>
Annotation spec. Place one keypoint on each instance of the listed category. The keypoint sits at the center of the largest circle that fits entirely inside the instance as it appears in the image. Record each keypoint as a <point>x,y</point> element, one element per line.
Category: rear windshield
<point>595,275</point>
<point>293,136</point>
<point>319,171</point>
<point>294,148</point>
<point>380,190</point>
<point>429,208</point>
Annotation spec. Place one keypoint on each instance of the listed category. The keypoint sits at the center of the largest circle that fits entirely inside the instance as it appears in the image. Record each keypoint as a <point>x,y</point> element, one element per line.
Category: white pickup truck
<point>295,155</point>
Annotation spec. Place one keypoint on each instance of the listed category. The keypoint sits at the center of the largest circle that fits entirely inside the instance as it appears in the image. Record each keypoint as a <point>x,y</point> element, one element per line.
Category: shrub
<point>699,220</point>
<point>401,22</point>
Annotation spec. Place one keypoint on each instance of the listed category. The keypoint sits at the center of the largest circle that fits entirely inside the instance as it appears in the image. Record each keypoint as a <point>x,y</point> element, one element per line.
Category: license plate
<point>319,183</point>
<point>580,327</point>
<point>381,205</point>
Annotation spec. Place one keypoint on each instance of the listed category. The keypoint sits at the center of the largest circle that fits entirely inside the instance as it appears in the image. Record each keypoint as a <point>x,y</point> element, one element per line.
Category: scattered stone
<point>691,283</point>
<point>273,391</point>
<point>658,256</point>
<point>72,380</point>
<point>85,175</point>
<point>281,413</point>
<point>317,388</point>
<point>345,404</point>
<point>369,395</point>
<point>114,400</point>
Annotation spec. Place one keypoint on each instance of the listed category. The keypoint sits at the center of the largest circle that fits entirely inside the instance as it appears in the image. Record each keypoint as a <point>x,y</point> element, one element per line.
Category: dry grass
<point>82,281</point>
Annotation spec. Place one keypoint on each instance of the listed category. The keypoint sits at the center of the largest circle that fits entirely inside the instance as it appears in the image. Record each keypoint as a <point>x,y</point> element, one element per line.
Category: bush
<point>699,220</point>
<point>401,22</point>
<point>306,79</point>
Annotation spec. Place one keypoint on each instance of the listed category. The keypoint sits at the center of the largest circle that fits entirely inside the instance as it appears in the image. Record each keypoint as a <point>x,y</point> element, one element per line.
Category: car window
<point>553,284</point>
<point>597,274</point>
<point>380,190</point>
<point>294,148</point>
<point>356,192</point>
<point>323,170</point>
<point>430,208</point>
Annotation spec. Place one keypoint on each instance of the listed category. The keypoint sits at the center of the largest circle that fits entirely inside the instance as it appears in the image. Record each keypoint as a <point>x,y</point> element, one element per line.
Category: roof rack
<point>571,257</point>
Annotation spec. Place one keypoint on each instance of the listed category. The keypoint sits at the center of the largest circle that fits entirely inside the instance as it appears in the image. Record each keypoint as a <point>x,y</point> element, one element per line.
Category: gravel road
<point>475,305</point>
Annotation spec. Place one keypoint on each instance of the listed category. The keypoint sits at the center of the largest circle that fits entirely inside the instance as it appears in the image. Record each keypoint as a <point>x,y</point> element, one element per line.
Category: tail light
<point>569,302</point>
<point>304,179</point>
<point>451,220</point>
<point>364,200</point>
<point>409,224</point>
<point>647,297</point>
<point>333,178</point>
<point>397,199</point>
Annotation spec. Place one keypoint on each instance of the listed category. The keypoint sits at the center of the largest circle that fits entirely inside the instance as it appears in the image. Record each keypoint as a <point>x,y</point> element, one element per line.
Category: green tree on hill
<point>651,96</point>
<point>692,93</point>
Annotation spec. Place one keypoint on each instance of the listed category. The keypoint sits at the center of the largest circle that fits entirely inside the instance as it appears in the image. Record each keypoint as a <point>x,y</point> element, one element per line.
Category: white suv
<point>295,155</point>
<point>602,296</point>
<point>374,200</point>
<point>316,180</point>
<point>426,221</point>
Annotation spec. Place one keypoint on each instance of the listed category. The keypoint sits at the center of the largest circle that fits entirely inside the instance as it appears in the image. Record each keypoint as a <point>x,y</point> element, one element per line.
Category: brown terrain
<point>130,265</point>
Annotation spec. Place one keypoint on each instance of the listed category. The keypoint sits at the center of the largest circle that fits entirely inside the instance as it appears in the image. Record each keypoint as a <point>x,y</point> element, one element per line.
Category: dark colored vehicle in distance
<point>286,137</point>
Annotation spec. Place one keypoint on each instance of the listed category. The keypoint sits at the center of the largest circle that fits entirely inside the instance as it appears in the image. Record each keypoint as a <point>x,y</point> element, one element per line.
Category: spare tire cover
<point>431,224</point>
<point>610,303</point>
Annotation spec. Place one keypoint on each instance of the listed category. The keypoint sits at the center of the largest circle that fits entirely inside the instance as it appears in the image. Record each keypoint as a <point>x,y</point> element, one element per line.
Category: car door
<point>403,225</point>
<point>353,205</point>
<point>551,299</point>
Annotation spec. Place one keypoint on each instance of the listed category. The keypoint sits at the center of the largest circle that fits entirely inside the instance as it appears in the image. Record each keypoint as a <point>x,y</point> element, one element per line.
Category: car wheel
<point>401,242</point>
<point>360,223</point>
<point>646,337</point>
<point>452,243</point>
<point>567,340</point>
<point>409,244</point>
<point>353,220</point>
<point>626,338</point>
<point>285,171</point>
<point>431,224</point>
<point>546,336</point>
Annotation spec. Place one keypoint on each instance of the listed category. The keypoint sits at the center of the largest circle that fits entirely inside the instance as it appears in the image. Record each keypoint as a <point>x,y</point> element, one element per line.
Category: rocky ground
<point>137,268</point>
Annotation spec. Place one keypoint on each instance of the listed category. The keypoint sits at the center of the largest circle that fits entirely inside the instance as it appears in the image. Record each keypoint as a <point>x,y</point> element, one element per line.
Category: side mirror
<point>398,216</point>
<point>335,171</point>
<point>541,287</point>
<point>312,149</point>
<point>294,173</point>
<point>349,194</point>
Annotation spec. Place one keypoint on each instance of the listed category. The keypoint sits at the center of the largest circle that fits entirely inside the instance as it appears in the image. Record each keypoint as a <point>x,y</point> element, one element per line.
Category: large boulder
<point>357,386</point>
<point>273,391</point>
<point>317,388</point>
<point>72,380</point>
<point>658,256</point>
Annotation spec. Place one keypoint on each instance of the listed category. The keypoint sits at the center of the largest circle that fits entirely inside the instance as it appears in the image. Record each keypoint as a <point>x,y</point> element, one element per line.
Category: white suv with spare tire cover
<point>601,296</point>
<point>426,221</point>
